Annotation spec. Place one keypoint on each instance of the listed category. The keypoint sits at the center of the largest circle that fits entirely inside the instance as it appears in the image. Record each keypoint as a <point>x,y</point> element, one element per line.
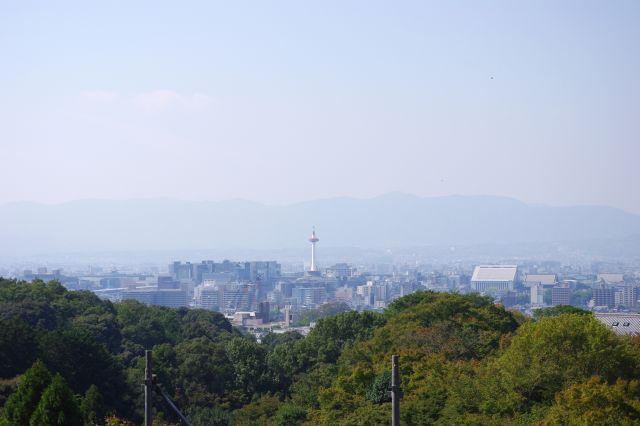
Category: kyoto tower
<point>313,240</point>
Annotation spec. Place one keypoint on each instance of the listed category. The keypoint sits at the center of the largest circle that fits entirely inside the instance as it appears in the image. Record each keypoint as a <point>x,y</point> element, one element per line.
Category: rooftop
<point>620,323</point>
<point>494,273</point>
<point>544,279</point>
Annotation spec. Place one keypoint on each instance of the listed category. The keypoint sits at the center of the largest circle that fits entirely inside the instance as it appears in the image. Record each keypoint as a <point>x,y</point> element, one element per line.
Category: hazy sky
<point>281,101</point>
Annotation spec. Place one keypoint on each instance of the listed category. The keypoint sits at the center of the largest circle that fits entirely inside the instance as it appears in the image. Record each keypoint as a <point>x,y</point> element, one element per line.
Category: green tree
<point>248,361</point>
<point>23,402</point>
<point>257,413</point>
<point>209,416</point>
<point>92,406</point>
<point>554,311</point>
<point>290,415</point>
<point>74,352</point>
<point>378,392</point>
<point>547,355</point>
<point>272,340</point>
<point>18,347</point>
<point>57,406</point>
<point>204,372</point>
<point>595,402</point>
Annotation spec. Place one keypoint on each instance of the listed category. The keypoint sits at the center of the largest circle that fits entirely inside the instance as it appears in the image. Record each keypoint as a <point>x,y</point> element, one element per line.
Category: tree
<point>248,361</point>
<point>558,310</point>
<point>18,347</point>
<point>57,406</point>
<point>203,373</point>
<point>547,355</point>
<point>259,412</point>
<point>290,415</point>
<point>378,392</point>
<point>210,416</point>
<point>74,352</point>
<point>595,402</point>
<point>92,406</point>
<point>22,403</point>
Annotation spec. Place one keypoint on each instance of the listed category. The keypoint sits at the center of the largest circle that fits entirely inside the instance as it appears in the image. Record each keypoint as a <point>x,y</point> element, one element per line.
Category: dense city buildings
<point>265,294</point>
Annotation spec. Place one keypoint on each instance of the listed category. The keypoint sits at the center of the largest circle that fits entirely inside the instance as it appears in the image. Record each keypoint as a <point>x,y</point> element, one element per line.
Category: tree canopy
<point>464,360</point>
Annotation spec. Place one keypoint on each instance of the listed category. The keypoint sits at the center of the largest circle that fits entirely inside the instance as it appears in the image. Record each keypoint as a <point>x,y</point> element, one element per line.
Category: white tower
<point>313,240</point>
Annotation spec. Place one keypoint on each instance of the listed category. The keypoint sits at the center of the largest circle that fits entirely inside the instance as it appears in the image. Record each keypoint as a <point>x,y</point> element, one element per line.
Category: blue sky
<point>286,101</point>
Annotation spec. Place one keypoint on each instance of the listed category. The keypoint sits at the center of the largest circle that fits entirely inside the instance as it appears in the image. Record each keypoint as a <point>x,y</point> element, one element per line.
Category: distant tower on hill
<point>313,240</point>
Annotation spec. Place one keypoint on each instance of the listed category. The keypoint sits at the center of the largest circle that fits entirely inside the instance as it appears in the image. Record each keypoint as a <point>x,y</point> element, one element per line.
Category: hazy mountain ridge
<point>391,220</point>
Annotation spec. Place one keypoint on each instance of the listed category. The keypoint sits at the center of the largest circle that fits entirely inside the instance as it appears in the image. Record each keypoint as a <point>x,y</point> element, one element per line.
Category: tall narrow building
<point>313,240</point>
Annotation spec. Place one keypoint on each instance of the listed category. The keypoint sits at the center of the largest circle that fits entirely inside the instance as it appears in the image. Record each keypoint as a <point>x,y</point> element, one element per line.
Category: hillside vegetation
<point>71,358</point>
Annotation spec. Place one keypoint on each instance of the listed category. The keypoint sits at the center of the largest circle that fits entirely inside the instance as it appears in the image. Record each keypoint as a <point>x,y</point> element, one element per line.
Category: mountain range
<point>389,221</point>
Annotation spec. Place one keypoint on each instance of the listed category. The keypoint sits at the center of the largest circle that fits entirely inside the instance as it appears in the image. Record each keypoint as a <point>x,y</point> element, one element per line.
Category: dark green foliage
<point>7,387</point>
<point>83,361</point>
<point>305,390</point>
<point>271,340</point>
<point>248,364</point>
<point>57,406</point>
<point>558,310</point>
<point>258,413</point>
<point>18,346</point>
<point>379,391</point>
<point>21,404</point>
<point>92,406</point>
<point>199,416</point>
<point>463,360</point>
<point>325,342</point>
<point>290,415</point>
<point>204,373</point>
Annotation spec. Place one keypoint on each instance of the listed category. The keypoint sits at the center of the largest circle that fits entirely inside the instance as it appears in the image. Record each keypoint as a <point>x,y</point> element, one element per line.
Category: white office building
<point>493,278</point>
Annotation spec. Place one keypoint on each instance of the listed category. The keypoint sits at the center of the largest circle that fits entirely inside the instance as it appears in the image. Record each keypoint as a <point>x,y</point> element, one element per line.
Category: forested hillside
<point>71,356</point>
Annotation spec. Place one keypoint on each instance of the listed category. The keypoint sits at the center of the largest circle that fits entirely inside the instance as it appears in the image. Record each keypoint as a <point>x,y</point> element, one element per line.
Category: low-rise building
<point>492,278</point>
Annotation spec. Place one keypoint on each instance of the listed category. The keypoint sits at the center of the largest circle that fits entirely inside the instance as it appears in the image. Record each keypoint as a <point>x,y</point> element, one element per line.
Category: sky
<point>283,101</point>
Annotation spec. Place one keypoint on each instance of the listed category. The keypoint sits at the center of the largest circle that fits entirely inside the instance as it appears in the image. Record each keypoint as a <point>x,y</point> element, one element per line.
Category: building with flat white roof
<point>489,278</point>
<point>544,279</point>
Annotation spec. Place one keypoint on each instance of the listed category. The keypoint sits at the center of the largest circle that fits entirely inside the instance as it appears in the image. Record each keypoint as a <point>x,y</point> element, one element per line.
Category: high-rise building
<point>561,295</point>
<point>236,297</point>
<point>629,296</point>
<point>207,297</point>
<point>537,294</point>
<point>169,298</point>
<point>309,296</point>
<point>265,271</point>
<point>604,296</point>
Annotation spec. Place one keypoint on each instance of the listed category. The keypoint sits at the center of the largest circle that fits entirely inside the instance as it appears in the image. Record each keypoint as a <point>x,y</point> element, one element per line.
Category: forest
<point>69,358</point>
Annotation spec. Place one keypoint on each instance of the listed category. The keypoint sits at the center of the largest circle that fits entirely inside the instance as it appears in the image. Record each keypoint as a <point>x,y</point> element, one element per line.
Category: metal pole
<point>395,392</point>
<point>148,390</point>
<point>172,405</point>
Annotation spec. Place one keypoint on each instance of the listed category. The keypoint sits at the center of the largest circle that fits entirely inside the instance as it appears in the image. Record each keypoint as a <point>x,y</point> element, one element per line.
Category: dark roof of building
<point>620,323</point>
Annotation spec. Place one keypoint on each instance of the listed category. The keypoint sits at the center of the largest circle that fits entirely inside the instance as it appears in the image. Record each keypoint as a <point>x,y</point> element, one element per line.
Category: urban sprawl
<point>260,297</point>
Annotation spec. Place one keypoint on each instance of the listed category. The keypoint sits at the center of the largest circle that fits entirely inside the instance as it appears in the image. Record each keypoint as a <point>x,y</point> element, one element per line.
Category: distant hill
<point>388,221</point>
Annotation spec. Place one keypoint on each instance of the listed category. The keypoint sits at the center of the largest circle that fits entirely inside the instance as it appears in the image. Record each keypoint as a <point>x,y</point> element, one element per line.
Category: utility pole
<point>148,390</point>
<point>395,391</point>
